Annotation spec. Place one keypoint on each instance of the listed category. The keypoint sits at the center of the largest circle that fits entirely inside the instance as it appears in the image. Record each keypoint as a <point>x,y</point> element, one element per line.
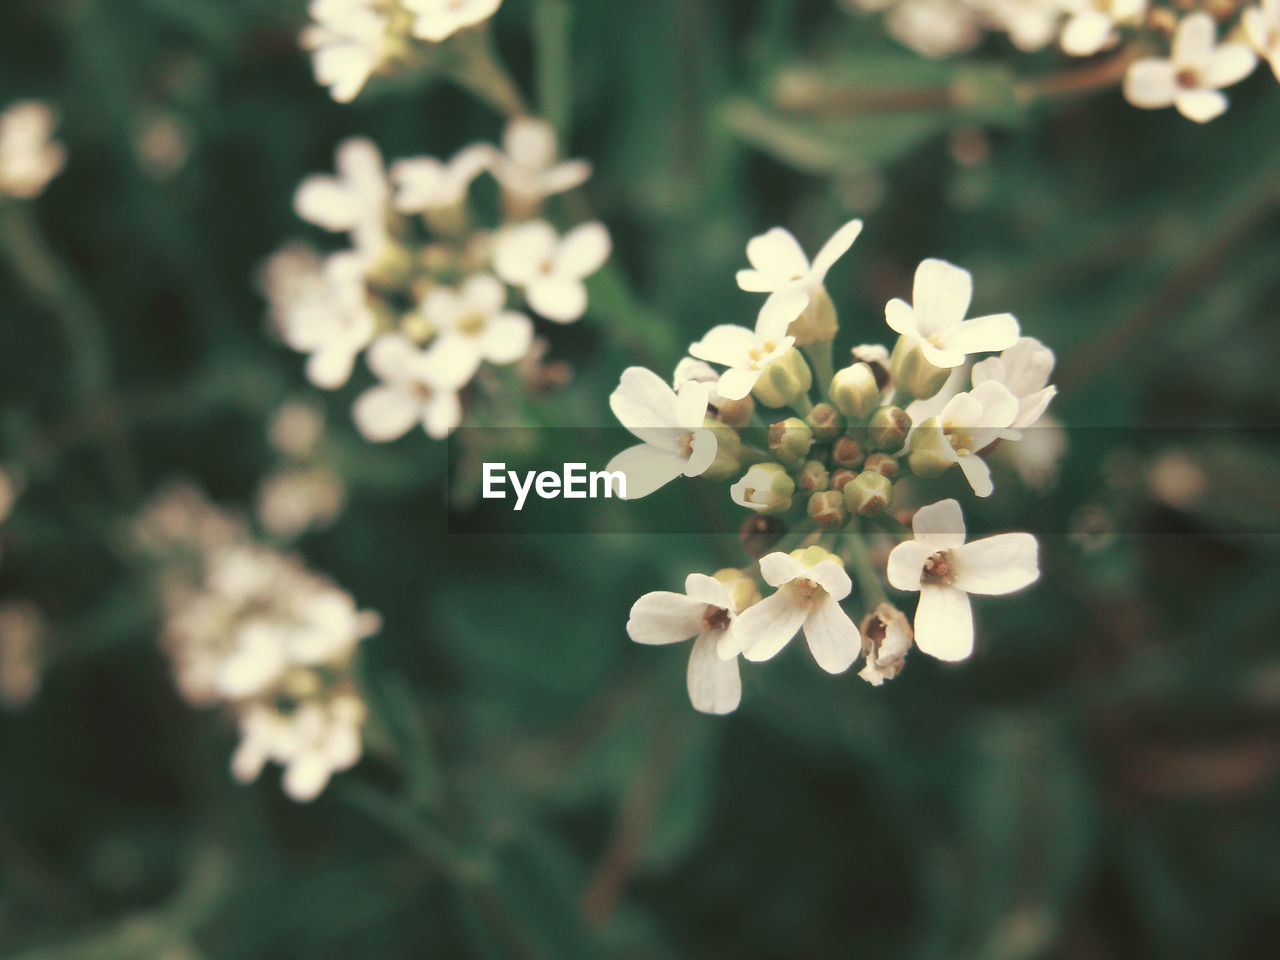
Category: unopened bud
<point>913,375</point>
<point>826,422</point>
<point>813,478</point>
<point>888,428</point>
<point>931,454</point>
<point>736,413</point>
<point>882,463</point>
<point>766,488</point>
<point>840,477</point>
<point>784,380</point>
<point>758,534</point>
<point>743,591</point>
<point>818,323</point>
<point>847,452</point>
<point>827,509</point>
<point>728,461</point>
<point>790,440</point>
<point>814,555</point>
<point>854,391</point>
<point>868,493</point>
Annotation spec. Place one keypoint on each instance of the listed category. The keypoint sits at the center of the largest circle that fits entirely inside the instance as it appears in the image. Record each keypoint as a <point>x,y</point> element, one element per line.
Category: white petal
<point>306,776</point>
<point>691,405</point>
<point>707,590</point>
<point>940,296</point>
<point>769,625</point>
<point>441,414</point>
<point>832,637</point>
<point>753,281</point>
<point>726,343</point>
<point>1032,407</point>
<point>1151,84</point>
<point>393,357</point>
<point>1087,33</point>
<point>944,622</point>
<point>1193,42</point>
<point>831,577</point>
<point>1230,63</point>
<point>484,294</point>
<point>901,318</point>
<point>1201,105</point>
<point>326,202</point>
<point>565,176</point>
<point>665,617</point>
<point>520,251</point>
<point>645,405</point>
<point>777,254</point>
<point>996,565</point>
<point>714,684</point>
<point>978,474</point>
<point>557,298</point>
<point>906,564</point>
<point>940,526</point>
<point>385,413</point>
<point>777,313</point>
<point>778,568</point>
<point>507,337</point>
<point>736,383</point>
<point>583,251</point>
<point>647,468</point>
<point>984,334</point>
<point>330,368</point>
<point>834,249</point>
<point>702,453</point>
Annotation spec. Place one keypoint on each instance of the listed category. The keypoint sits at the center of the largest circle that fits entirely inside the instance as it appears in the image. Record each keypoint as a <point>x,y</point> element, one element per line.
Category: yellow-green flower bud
<point>818,323</point>
<point>814,555</point>
<point>813,478</point>
<point>882,463</point>
<point>736,413</point>
<point>847,452</point>
<point>766,488</point>
<point>913,375</point>
<point>790,440</point>
<point>827,509</point>
<point>854,391</point>
<point>728,461</point>
<point>826,422</point>
<point>743,590</point>
<point>784,380</point>
<point>868,493</point>
<point>393,266</point>
<point>888,428</point>
<point>931,454</point>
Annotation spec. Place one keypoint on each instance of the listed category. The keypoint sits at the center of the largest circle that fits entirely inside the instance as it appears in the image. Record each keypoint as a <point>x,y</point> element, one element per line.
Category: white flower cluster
<point>351,40</point>
<point>423,291</point>
<point>883,426</point>
<point>257,633</point>
<point>302,493</point>
<point>29,156</point>
<point>1190,78</point>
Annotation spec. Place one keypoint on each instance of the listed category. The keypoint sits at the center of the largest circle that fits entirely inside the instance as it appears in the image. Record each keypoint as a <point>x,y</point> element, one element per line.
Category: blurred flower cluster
<point>821,482</point>
<point>426,291</point>
<point>29,156</point>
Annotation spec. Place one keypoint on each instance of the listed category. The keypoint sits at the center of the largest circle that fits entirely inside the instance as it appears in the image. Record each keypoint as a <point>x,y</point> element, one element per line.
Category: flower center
<point>961,442</point>
<point>1188,78</point>
<point>472,324</point>
<point>805,590</point>
<point>685,444</point>
<point>715,618</point>
<point>937,569</point>
<point>756,354</point>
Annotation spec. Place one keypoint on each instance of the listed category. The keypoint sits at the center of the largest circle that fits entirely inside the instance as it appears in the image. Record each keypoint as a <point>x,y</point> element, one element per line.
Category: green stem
<point>802,405</point>
<point>819,355</point>
<point>855,555</point>
<point>480,71</point>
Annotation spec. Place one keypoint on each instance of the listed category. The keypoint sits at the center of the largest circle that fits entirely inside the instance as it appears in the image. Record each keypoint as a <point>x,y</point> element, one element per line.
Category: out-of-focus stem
<point>479,70</point>
<point>853,548</point>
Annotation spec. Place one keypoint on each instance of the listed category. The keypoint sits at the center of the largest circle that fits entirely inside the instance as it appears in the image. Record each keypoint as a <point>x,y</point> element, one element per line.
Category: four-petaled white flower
<point>1092,24</point>
<point>29,157</point>
<point>746,352</point>
<point>426,183</point>
<point>945,570</point>
<point>936,317</point>
<point>968,424</point>
<point>312,743</point>
<point>1192,78</point>
<point>671,426</point>
<point>778,262</point>
<point>473,326</point>
<point>355,200</point>
<point>331,321</point>
<point>551,269</point>
<point>811,583</point>
<point>527,167</point>
<point>348,42</point>
<point>437,20</point>
<point>1262,27</point>
<point>418,386</point>
<point>1025,369</point>
<point>706,611</point>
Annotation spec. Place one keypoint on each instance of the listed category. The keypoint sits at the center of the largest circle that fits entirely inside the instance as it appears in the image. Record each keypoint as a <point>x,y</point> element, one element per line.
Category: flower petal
<point>778,568</point>
<point>726,344</point>
<point>1151,84</point>
<point>665,617</point>
<point>832,637</point>
<point>778,312</point>
<point>834,249</point>
<point>645,405</point>
<point>647,468</point>
<point>940,296</point>
<point>583,251</point>
<point>906,564</point>
<point>1193,42</point>
<point>944,622</point>
<point>978,474</point>
<point>507,337</point>
<point>901,318</point>
<point>984,334</point>
<point>385,413</point>
<point>557,298</point>
<point>769,625</point>
<point>715,685</point>
<point>996,565</point>
<point>940,526</point>
<point>778,255</point>
<point>707,590</point>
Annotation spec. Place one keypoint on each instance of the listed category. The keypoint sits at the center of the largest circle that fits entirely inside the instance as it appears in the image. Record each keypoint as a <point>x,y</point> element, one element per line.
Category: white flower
<point>886,639</point>
<point>706,611</point>
<point>1025,369</point>
<point>29,158</point>
<point>1262,27</point>
<point>934,28</point>
<point>936,317</point>
<point>425,183</point>
<point>671,426</point>
<point>528,169</point>
<point>967,425</point>
<point>811,583</point>
<point>314,742</point>
<point>765,487</point>
<point>437,20</point>
<point>297,499</point>
<point>348,42</point>
<point>778,262</point>
<point>473,326</point>
<point>1194,73</point>
<point>747,353</point>
<point>1030,24</point>
<point>418,386</point>
<point>354,201</point>
<point>1092,24</point>
<point>945,570</point>
<point>551,269</point>
<point>332,323</point>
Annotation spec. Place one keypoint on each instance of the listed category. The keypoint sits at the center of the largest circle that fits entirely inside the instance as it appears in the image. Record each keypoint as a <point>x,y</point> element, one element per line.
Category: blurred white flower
<point>163,144</point>
<point>968,424</point>
<point>22,653</point>
<point>811,583</point>
<point>778,262</point>
<point>354,201</point>
<point>333,322</point>
<point>348,42</point>
<point>295,428</point>
<point>1025,369</point>
<point>550,269</point>
<point>425,183</point>
<point>295,500</point>
<point>934,28</point>
<point>1092,23</point>
<point>936,317</point>
<point>29,157</point>
<point>1262,27</point>
<point>945,570</point>
<point>437,20</point>
<point>705,610</point>
<point>418,387</point>
<point>1030,24</point>
<point>670,425</point>
<point>528,167</point>
<point>313,742</point>
<point>747,353</point>
<point>1194,73</point>
<point>473,326</point>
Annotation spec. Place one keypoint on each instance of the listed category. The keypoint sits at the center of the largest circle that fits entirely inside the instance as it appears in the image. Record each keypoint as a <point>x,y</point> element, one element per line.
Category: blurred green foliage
<point>1100,780</point>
